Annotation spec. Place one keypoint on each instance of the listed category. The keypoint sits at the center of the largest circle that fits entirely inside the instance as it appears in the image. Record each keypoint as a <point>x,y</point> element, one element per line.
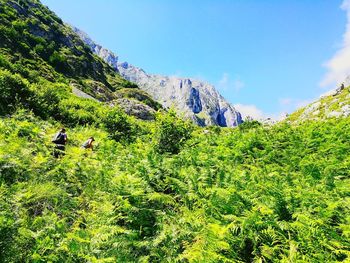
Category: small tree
<point>172,132</point>
<point>13,92</point>
<point>119,125</point>
<point>248,124</point>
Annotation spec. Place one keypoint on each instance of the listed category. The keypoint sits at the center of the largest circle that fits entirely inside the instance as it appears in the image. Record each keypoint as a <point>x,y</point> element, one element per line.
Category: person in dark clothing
<point>88,143</point>
<point>60,142</point>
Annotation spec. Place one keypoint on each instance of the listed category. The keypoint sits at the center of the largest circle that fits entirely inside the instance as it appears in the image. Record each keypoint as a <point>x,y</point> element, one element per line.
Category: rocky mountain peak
<point>109,57</point>
<point>195,99</point>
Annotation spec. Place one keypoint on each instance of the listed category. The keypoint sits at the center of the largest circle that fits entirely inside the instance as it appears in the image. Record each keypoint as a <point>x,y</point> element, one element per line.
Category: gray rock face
<point>194,99</point>
<point>81,93</point>
<point>134,108</point>
<point>108,56</point>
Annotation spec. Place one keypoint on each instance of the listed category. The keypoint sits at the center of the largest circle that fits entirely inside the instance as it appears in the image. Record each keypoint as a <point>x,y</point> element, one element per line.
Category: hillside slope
<point>334,104</point>
<point>37,45</point>
<point>196,100</point>
<point>277,194</point>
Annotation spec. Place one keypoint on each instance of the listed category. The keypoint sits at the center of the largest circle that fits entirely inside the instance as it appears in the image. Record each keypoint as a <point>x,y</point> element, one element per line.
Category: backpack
<point>59,138</point>
<point>85,144</point>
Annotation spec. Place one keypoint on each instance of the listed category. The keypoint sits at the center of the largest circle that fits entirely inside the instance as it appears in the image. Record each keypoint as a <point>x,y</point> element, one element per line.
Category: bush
<point>58,61</point>
<point>13,92</point>
<point>249,124</point>
<point>119,125</point>
<point>76,111</point>
<point>4,62</point>
<point>172,133</point>
<point>47,97</point>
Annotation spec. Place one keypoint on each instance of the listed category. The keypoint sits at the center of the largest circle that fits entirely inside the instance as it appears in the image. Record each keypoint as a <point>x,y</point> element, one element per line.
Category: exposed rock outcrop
<point>197,100</point>
<point>108,56</point>
<point>135,108</point>
<point>333,104</point>
<point>76,91</point>
<point>192,98</point>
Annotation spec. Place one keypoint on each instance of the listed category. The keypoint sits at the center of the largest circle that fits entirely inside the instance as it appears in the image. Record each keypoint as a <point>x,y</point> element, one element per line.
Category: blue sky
<point>268,56</point>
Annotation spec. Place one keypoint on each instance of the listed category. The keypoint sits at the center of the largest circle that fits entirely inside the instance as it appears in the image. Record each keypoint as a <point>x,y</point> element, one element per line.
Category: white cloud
<point>339,65</point>
<point>287,105</point>
<point>226,83</point>
<point>250,111</point>
<point>290,104</point>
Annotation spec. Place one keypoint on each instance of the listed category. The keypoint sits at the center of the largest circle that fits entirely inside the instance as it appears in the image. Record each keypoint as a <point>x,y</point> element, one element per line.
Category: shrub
<point>13,92</point>
<point>46,99</point>
<point>249,124</point>
<point>58,61</point>
<point>172,132</point>
<point>76,111</point>
<point>119,125</point>
<point>4,62</point>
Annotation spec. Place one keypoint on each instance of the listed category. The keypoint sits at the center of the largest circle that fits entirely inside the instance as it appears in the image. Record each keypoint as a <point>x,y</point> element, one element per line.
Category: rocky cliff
<point>108,56</point>
<point>195,99</point>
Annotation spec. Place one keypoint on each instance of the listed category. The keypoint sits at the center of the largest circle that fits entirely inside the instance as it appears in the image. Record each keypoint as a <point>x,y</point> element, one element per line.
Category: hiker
<point>88,143</point>
<point>60,142</point>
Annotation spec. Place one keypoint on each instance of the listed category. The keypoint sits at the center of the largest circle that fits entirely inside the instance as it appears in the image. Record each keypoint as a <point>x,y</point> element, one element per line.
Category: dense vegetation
<point>160,191</point>
<point>39,47</point>
<point>277,194</point>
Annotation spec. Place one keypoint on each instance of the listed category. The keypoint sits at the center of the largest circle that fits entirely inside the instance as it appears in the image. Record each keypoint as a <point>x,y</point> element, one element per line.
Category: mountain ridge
<point>195,99</point>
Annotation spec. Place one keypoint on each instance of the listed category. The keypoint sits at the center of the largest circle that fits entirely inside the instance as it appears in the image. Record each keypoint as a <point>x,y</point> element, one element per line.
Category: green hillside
<point>153,191</point>
<point>333,105</point>
<point>39,47</point>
